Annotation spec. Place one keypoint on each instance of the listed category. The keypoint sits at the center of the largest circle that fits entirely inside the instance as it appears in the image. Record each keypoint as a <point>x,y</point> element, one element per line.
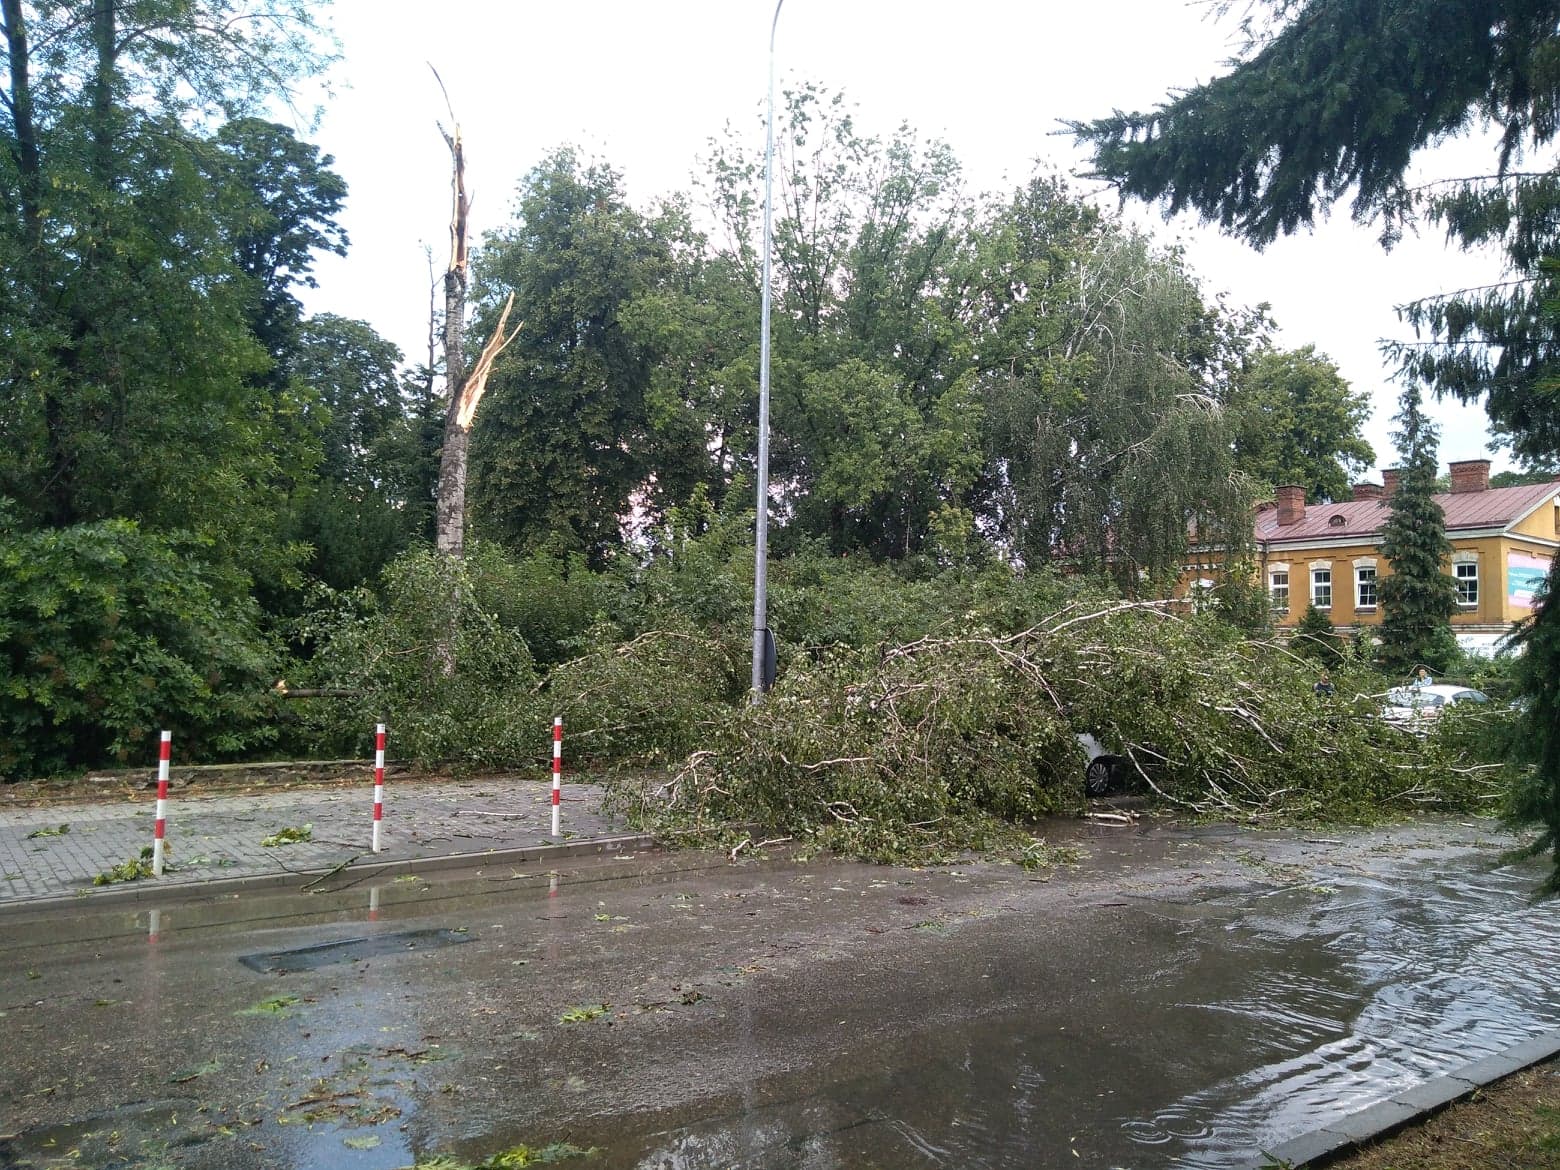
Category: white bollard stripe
<point>160,825</point>
<point>379,781</point>
<point>557,777</point>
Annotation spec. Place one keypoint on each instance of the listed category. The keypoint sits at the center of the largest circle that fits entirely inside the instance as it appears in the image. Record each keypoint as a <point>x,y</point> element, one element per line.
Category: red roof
<point>1492,508</point>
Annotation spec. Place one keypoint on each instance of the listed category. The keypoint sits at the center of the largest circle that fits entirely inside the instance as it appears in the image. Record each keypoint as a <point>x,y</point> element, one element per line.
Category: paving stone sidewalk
<point>218,836</point>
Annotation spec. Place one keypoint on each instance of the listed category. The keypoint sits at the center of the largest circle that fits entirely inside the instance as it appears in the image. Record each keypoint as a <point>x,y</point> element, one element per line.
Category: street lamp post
<point>763,643</point>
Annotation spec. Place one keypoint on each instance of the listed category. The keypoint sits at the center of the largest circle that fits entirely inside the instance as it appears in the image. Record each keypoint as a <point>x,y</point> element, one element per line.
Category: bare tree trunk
<point>465,388</point>
<point>450,513</point>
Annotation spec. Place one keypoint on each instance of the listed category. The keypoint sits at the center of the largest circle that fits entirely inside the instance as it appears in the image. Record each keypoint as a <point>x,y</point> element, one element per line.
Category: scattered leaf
<point>276,1006</point>
<point>293,835</point>
<point>189,1074</point>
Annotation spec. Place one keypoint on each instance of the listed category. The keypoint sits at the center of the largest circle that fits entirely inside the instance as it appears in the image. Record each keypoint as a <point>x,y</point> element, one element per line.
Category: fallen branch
<point>332,872</point>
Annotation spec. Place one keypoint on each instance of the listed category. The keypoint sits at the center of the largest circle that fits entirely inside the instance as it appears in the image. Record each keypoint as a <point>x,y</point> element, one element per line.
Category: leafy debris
<point>293,835</point>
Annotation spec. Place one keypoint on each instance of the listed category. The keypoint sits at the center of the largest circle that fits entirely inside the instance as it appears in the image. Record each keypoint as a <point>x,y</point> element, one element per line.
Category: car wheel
<point>1097,777</point>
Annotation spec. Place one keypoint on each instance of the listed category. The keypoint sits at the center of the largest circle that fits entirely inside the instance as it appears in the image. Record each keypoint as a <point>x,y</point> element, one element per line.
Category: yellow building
<point>1329,555</point>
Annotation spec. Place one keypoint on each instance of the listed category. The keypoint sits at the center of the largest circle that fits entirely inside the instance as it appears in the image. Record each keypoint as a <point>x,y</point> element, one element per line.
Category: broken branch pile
<point>952,742</point>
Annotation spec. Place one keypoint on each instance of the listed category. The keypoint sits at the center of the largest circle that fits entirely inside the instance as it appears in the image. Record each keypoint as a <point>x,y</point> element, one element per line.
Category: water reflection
<point>1296,1008</point>
<point>1444,969</point>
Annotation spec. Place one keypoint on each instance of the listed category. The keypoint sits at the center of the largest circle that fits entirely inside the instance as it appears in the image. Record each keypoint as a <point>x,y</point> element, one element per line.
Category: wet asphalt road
<point>1178,997</point>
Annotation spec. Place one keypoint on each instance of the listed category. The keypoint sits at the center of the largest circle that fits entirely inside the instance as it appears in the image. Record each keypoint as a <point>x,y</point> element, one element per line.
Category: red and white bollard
<point>164,755</point>
<point>379,780</point>
<point>557,788</point>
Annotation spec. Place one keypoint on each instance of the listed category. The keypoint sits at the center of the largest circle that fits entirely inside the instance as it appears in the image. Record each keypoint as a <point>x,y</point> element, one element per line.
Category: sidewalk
<point>217,836</point>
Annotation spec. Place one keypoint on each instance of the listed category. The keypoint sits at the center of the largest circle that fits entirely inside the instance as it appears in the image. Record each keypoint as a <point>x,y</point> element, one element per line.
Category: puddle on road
<point>1341,993</point>
<point>350,950</point>
<point>1238,1021</point>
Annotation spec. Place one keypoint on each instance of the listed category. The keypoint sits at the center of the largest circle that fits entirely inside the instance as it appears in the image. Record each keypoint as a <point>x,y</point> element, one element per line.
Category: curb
<point>1341,1137</point>
<point>145,891</point>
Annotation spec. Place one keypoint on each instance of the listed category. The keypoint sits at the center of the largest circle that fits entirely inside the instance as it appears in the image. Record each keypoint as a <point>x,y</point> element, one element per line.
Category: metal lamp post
<point>763,642</point>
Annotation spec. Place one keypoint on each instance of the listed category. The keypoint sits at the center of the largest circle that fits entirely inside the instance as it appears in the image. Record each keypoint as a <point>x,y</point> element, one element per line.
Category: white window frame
<point>1280,604</point>
<point>1467,582</point>
<point>1201,595</point>
<point>1361,567</point>
<point>1316,594</point>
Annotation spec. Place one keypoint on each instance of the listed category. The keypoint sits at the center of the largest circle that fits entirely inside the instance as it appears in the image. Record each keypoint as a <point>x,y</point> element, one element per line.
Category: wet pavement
<point>1180,997</point>
<point>61,848</point>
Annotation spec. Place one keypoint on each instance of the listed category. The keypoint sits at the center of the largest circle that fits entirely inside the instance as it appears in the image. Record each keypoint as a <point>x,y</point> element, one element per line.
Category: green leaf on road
<point>276,1006</point>
<point>189,1074</point>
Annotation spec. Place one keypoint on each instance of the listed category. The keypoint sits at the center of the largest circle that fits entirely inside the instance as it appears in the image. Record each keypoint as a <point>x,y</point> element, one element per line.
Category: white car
<point>1413,705</point>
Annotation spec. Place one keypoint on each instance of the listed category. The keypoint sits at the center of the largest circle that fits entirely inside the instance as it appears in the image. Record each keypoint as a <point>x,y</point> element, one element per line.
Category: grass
<point>1511,1125</point>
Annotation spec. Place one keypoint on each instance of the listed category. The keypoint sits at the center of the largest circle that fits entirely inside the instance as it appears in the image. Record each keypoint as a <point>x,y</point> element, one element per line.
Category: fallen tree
<point>963,741</point>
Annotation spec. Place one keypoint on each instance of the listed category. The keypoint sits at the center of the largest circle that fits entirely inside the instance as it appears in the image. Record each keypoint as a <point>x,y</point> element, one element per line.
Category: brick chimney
<point>1471,475</point>
<point>1389,481</point>
<point>1367,491</point>
<point>1291,505</point>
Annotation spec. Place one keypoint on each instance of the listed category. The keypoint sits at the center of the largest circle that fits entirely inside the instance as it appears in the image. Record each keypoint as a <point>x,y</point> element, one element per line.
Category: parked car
<point>1411,706</point>
<point>1107,771</point>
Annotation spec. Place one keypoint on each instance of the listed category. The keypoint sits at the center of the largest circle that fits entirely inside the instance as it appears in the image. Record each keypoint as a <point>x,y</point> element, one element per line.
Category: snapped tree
<point>464,388</point>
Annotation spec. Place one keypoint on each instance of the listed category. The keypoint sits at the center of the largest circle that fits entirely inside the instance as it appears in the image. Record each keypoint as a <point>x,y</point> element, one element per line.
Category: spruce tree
<point>1316,639</point>
<point>1419,597</point>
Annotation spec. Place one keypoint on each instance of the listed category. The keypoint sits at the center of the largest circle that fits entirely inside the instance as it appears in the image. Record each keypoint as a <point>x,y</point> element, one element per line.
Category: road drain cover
<point>350,950</point>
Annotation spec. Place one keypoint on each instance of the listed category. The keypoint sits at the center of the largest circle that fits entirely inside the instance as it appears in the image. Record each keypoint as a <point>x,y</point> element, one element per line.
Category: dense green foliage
<point>390,650</point>
<point>997,419</point>
<point>1338,96</point>
<point>958,741</point>
<point>1315,638</point>
<point>112,634</point>
<point>1419,597</point>
<point>955,377</point>
<point>1536,742</point>
<point>1298,422</point>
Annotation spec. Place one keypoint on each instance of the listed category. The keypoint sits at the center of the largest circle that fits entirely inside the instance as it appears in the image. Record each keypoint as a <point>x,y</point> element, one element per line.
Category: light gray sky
<point>643,85</point>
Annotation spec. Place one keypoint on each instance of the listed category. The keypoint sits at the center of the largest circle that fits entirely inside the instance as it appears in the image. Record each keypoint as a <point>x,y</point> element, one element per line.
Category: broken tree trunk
<point>466,387</point>
<point>450,516</point>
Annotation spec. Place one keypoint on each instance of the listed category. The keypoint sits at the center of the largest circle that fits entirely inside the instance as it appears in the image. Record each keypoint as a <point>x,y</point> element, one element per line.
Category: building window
<point>1365,587</point>
<point>1278,589</point>
<point>1467,576</point>
<point>1321,588</point>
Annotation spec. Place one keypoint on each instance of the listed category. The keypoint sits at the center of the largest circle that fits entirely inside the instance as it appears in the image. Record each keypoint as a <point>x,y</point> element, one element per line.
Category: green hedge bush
<point>112,634</point>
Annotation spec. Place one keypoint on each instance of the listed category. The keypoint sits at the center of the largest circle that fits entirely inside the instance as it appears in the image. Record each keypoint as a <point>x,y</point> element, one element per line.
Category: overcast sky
<point>643,85</point>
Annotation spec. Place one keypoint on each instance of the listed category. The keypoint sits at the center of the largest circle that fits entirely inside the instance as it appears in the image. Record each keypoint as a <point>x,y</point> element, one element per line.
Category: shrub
<point>654,697</point>
<point>429,656</point>
<point>112,634</point>
<point>552,603</point>
<point>1315,638</point>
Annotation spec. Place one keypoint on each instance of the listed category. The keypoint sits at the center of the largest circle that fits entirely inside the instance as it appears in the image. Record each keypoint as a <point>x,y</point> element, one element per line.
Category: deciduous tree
<point>1339,96</point>
<point>1296,420</point>
<point>129,346</point>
